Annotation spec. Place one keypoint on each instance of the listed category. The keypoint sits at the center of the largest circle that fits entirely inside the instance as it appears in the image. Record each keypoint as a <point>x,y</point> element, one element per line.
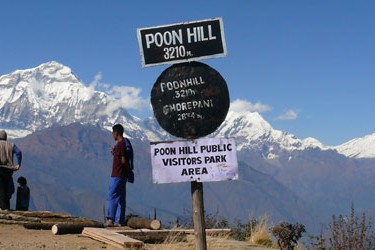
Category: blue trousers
<point>116,200</point>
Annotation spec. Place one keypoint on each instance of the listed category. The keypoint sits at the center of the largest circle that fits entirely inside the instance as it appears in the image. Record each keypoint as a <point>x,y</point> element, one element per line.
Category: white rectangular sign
<point>207,159</point>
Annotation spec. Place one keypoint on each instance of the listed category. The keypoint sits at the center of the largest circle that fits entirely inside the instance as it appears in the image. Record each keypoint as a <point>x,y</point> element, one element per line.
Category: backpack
<point>129,156</point>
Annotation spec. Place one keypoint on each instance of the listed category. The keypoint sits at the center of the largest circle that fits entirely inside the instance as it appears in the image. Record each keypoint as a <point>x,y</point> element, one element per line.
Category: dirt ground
<point>14,237</point>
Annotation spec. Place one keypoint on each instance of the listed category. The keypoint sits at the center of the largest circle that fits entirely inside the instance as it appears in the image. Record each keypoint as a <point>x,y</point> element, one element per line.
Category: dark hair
<point>118,128</point>
<point>22,181</point>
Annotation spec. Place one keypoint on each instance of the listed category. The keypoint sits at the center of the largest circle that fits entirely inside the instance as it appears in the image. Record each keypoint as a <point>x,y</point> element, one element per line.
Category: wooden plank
<point>104,240</point>
<point>211,232</point>
<point>117,240</point>
<point>155,236</point>
<point>219,231</point>
<point>102,232</point>
<point>159,236</point>
<point>97,237</point>
<point>111,237</point>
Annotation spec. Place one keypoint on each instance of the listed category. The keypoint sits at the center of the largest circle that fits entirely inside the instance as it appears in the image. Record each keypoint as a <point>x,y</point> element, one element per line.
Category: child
<point>23,195</point>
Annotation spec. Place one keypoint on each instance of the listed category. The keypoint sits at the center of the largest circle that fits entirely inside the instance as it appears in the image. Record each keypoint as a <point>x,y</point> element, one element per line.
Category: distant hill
<point>68,170</point>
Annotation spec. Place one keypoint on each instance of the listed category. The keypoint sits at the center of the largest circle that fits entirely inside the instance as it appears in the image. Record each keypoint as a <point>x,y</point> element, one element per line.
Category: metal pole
<point>198,215</point>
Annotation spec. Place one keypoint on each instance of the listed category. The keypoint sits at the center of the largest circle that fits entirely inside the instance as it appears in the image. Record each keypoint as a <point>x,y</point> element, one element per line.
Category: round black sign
<point>190,100</point>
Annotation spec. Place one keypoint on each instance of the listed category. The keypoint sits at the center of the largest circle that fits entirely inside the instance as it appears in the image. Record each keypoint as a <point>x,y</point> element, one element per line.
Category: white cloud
<point>239,106</point>
<point>289,114</point>
<point>118,96</point>
<point>94,84</point>
<point>125,97</point>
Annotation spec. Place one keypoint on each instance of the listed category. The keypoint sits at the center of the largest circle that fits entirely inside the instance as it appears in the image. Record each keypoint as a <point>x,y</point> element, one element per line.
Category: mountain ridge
<point>68,168</point>
<point>361,147</point>
<point>59,118</point>
<point>49,94</point>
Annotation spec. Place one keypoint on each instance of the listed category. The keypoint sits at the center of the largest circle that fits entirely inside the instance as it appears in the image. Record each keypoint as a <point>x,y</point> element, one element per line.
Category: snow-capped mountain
<point>51,94</point>
<point>363,147</point>
<point>252,131</point>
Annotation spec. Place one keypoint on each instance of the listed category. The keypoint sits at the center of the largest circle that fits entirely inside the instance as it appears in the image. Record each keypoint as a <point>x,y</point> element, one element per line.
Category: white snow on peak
<point>252,131</point>
<point>15,133</point>
<point>313,143</point>
<point>45,87</point>
<point>363,147</point>
<point>37,98</point>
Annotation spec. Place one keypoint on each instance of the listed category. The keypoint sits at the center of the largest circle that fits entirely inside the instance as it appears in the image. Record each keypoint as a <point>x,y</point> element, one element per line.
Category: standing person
<point>23,195</point>
<point>7,151</point>
<point>116,199</point>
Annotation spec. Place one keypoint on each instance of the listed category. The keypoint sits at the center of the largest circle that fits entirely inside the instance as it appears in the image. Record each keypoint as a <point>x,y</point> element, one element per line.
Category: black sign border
<point>206,125</point>
<point>225,52</point>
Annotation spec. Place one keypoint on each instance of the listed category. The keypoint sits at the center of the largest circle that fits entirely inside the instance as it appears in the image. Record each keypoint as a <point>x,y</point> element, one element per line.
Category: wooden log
<point>39,214</point>
<point>64,225</point>
<point>67,229</point>
<point>5,217</point>
<point>16,217</point>
<point>39,225</point>
<point>73,228</point>
<point>24,218</point>
<point>13,222</point>
<point>139,222</point>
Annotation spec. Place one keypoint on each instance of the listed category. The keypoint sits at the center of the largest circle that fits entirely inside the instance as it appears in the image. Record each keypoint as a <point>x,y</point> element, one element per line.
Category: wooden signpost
<point>190,100</point>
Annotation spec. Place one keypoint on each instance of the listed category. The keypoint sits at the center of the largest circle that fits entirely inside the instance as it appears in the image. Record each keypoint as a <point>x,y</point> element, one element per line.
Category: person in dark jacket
<point>7,167</point>
<point>23,195</point>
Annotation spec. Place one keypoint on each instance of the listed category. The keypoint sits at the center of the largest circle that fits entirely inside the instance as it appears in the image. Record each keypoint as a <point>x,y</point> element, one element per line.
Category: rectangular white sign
<point>207,159</point>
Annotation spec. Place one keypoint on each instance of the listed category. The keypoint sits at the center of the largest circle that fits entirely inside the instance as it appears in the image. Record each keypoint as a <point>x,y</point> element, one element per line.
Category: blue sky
<point>307,66</point>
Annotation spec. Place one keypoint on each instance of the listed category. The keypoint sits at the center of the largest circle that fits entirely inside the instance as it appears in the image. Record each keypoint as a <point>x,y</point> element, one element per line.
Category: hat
<point>3,135</point>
